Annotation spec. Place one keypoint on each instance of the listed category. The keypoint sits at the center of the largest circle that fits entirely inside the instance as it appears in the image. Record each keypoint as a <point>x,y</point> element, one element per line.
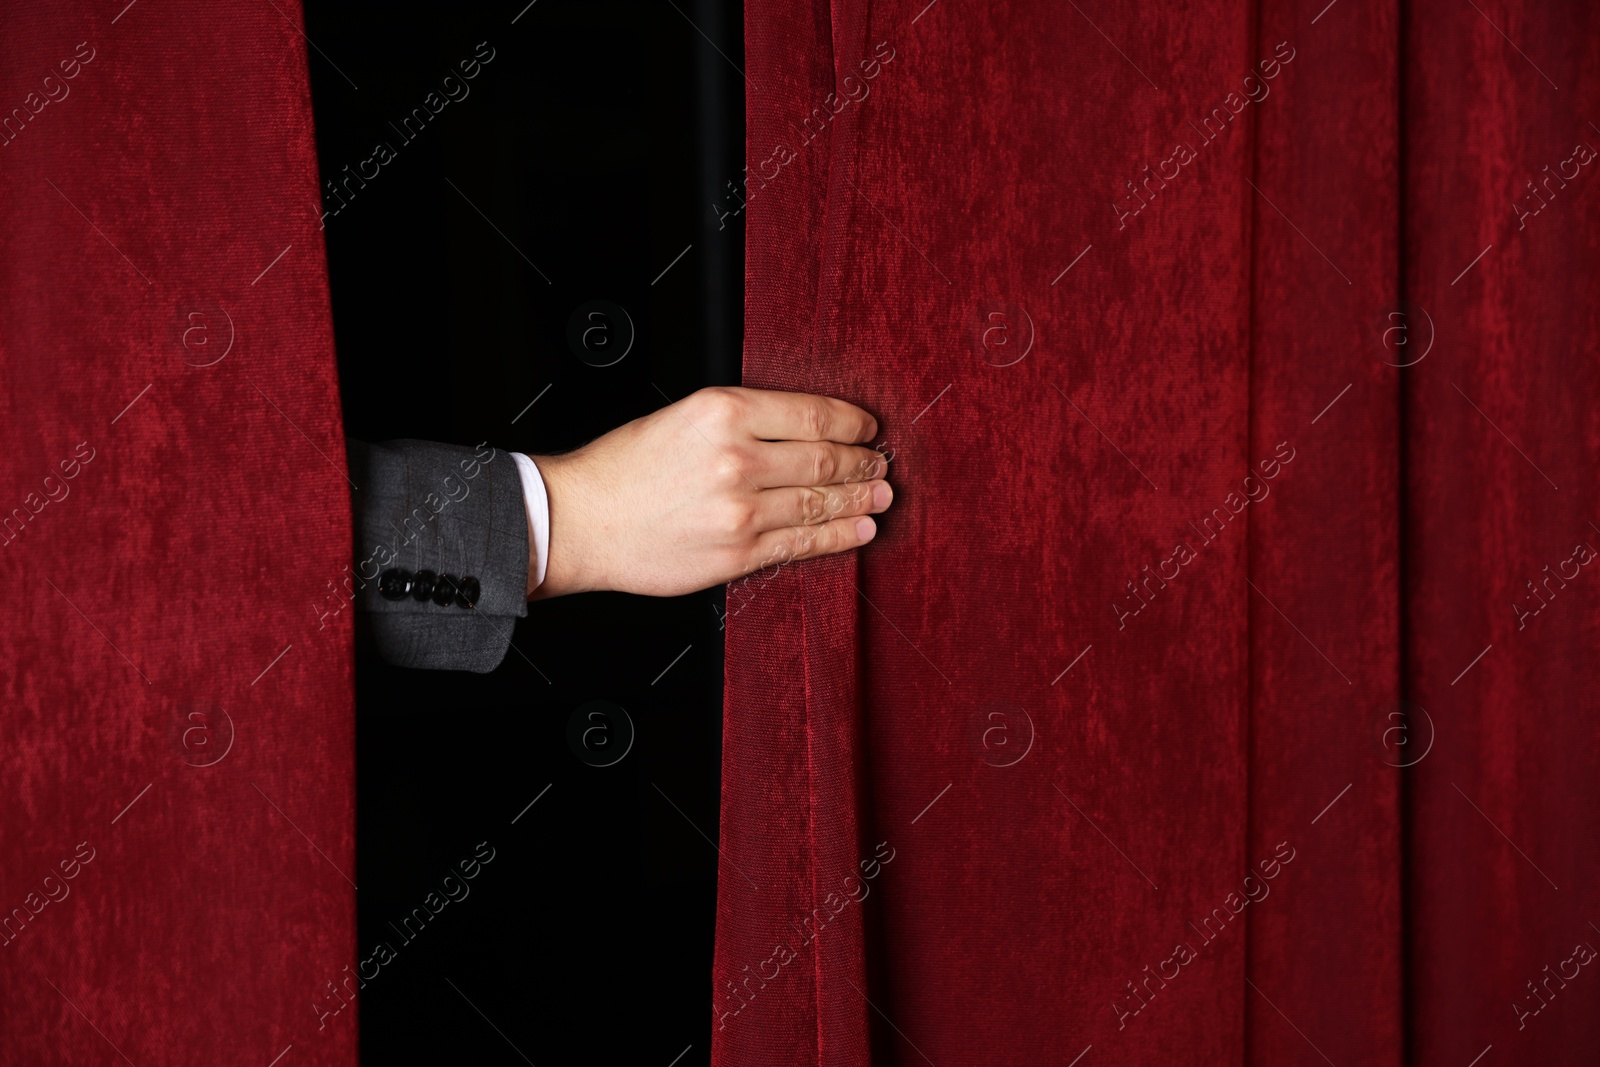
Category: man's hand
<point>724,482</point>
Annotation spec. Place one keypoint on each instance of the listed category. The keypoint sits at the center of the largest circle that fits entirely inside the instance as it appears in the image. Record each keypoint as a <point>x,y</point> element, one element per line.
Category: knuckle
<point>816,421</point>
<point>716,407</point>
<point>814,506</point>
<point>734,518</point>
<point>824,465</point>
<point>713,394</point>
<point>735,465</point>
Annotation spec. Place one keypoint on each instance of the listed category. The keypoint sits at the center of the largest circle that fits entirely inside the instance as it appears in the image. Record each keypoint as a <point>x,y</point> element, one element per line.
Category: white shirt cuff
<point>538,505</point>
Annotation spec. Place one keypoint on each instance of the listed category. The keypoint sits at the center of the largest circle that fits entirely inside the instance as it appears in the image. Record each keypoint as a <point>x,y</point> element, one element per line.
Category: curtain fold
<point>1325,948</point>
<point>1502,249</point>
<point>177,875</point>
<point>1150,727</point>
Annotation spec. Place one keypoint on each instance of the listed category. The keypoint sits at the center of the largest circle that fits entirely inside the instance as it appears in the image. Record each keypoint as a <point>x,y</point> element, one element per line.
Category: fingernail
<point>881,495</point>
<point>865,528</point>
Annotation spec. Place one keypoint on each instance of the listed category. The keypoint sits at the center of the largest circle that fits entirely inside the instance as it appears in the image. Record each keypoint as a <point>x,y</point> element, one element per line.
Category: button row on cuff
<point>442,589</point>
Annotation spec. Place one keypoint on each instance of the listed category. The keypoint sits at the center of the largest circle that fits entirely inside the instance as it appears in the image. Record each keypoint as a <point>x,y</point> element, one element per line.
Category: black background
<point>592,148</point>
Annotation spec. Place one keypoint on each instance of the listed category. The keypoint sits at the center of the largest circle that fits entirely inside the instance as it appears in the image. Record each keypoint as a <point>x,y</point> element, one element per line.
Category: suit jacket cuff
<point>448,509</point>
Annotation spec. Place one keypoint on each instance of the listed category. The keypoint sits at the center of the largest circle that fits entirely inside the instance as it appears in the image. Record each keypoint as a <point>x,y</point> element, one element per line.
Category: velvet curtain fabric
<point>177,782</point>
<point>1218,689</point>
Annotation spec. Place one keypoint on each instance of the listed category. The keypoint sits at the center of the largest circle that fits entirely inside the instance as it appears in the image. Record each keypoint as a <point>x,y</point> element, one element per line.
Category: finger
<point>776,416</point>
<point>807,542</point>
<point>808,463</point>
<point>811,505</point>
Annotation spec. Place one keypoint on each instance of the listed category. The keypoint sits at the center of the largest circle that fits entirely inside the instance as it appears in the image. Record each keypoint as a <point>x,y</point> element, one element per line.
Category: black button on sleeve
<point>422,585</point>
<point>445,589</point>
<point>467,592</point>
<point>394,584</point>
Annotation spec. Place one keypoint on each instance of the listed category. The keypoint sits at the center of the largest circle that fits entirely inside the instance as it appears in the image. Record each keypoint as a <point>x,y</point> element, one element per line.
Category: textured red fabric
<point>1247,800</point>
<point>177,845</point>
<point>1325,948</point>
<point>1501,445</point>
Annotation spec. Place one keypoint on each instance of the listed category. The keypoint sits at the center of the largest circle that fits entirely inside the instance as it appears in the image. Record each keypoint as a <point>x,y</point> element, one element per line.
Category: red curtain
<point>1217,690</point>
<point>177,876</point>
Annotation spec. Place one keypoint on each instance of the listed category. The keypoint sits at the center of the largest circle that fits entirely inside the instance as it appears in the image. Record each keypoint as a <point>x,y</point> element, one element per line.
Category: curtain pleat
<point>1324,971</point>
<point>1502,250</point>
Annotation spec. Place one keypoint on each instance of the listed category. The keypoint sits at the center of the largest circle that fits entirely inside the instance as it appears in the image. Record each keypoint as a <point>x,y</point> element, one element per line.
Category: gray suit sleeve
<point>447,509</point>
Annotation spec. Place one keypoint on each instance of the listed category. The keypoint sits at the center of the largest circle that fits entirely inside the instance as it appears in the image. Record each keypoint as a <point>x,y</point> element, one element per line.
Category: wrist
<point>575,563</point>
